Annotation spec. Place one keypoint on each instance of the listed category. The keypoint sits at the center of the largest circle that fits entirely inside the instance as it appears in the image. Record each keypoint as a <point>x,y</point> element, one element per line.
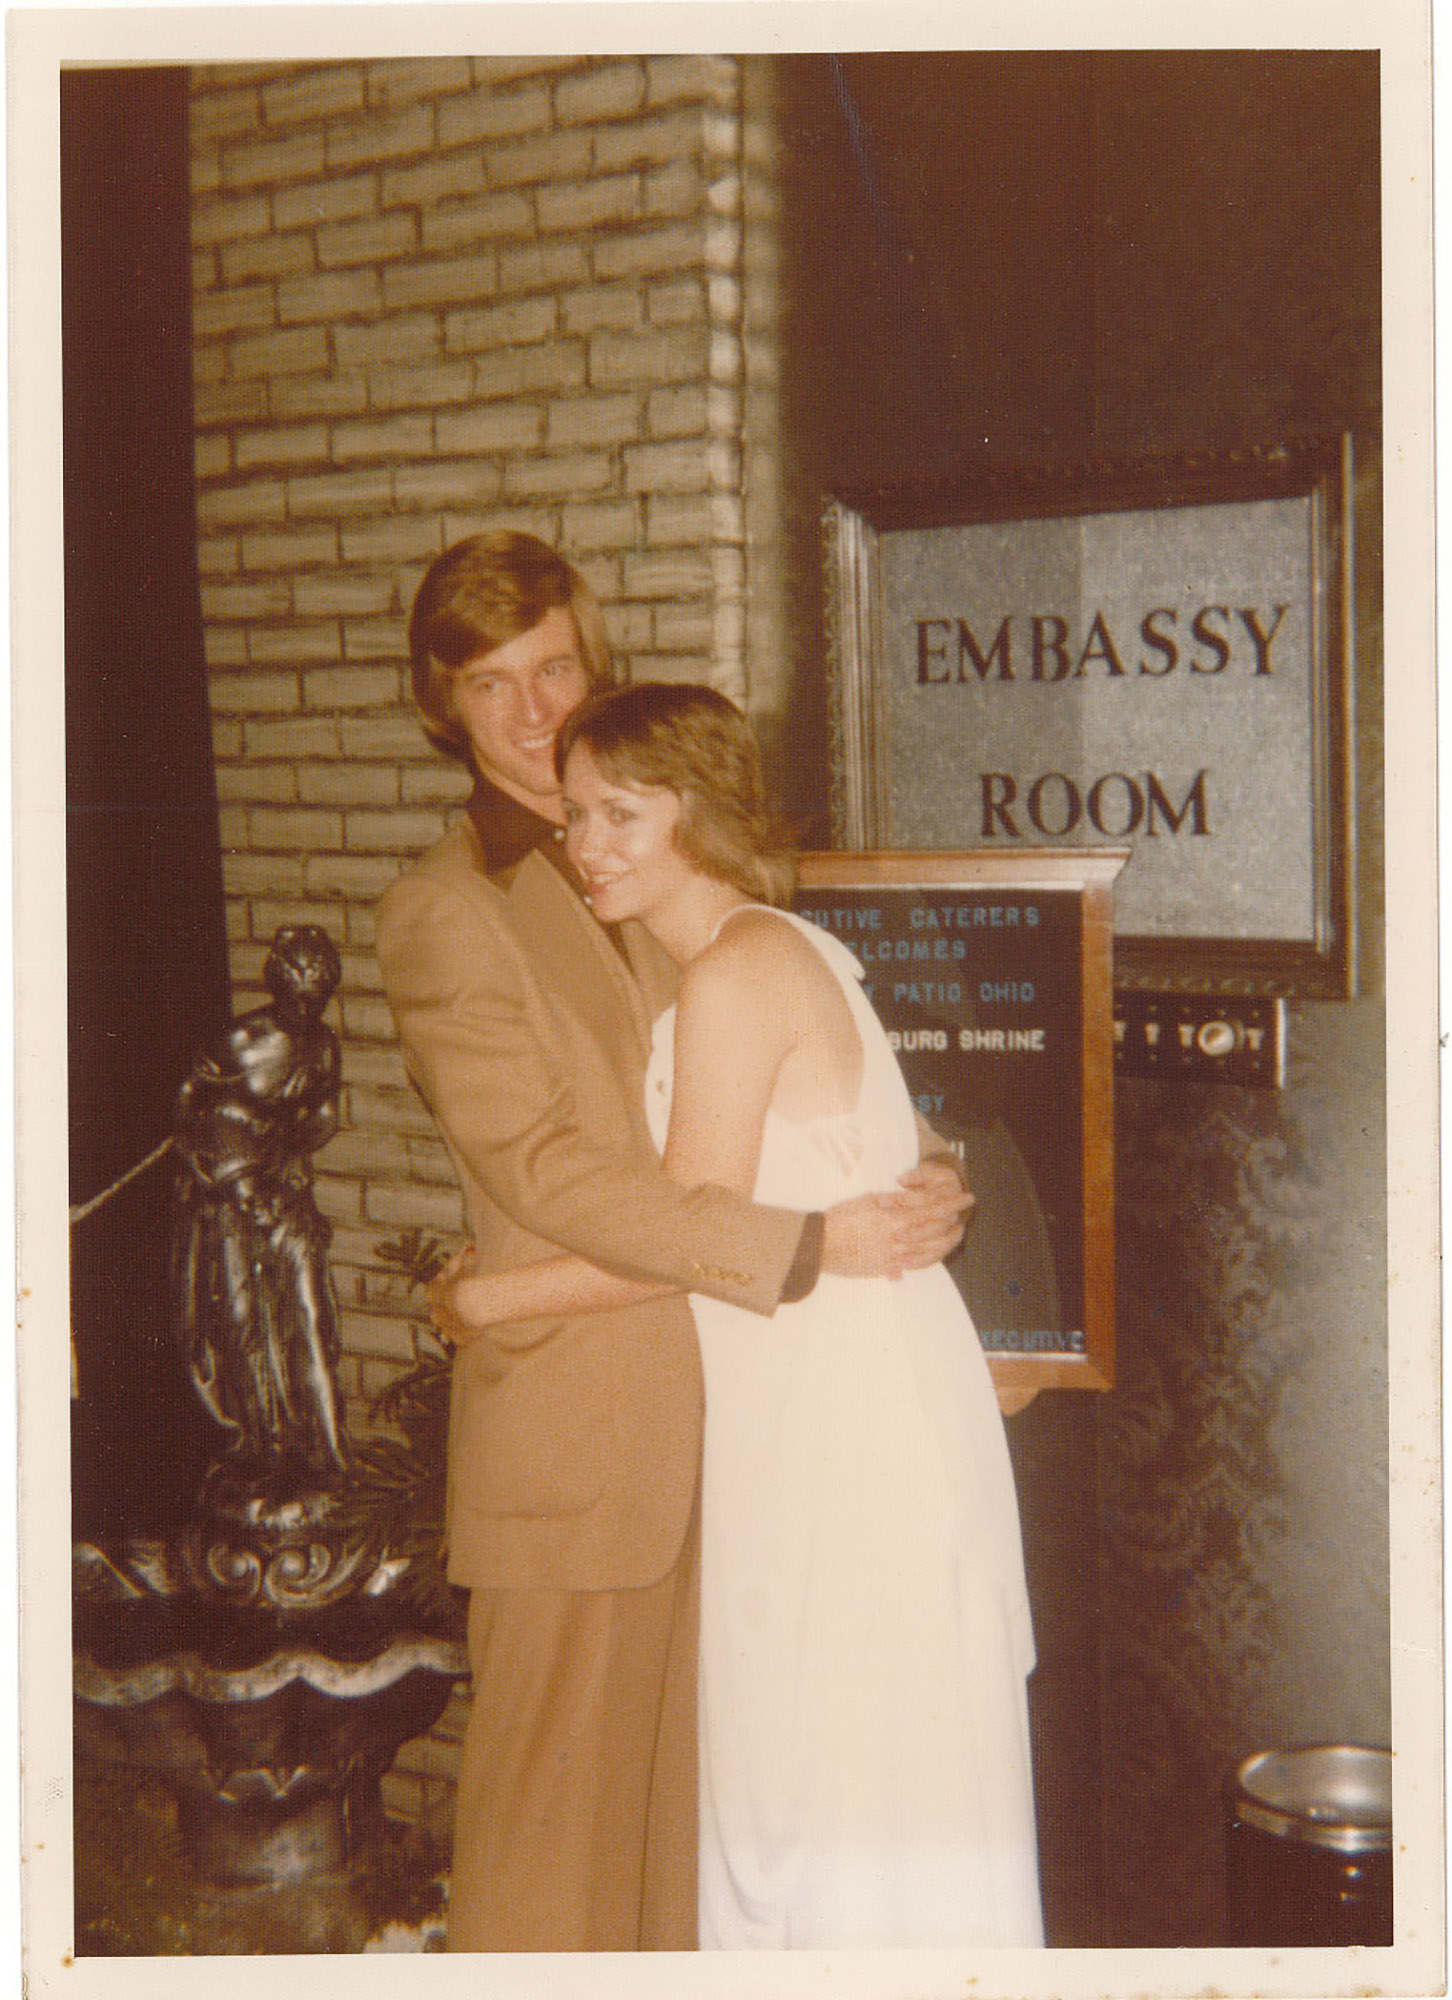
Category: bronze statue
<point>250,1276</point>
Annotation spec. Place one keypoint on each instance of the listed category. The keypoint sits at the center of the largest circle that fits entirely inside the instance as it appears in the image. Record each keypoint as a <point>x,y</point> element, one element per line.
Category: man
<point>575,1445</point>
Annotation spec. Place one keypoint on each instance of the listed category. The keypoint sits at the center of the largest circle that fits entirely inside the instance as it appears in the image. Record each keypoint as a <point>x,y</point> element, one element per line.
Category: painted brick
<point>406,1207</point>
<point>437,785</point>
<point>335,596</point>
<point>675,573</point>
<point>229,402</point>
<point>673,191</point>
<point>232,826</point>
<point>225,646</point>
<point>255,784</point>
<point>339,1200</point>
<point>679,628</point>
<point>680,304</point>
<point>618,359</point>
<point>241,309</point>
<point>616,307</point>
<point>209,361</point>
<point>372,639</point>
<point>339,493</point>
<point>315,93</point>
<point>394,539</point>
<point>205,177</point>
<point>220,220</point>
<point>610,90</point>
<point>350,687</point>
<point>503,427</point>
<point>399,436</point>
<point>262,874</point>
<point>226,738</point>
<point>445,282</point>
<point>354,876</point>
<point>455,225</point>
<point>386,737</point>
<point>519,371</point>
<point>367,1333</point>
<point>648,142</point>
<point>687,78</point>
<point>211,457</point>
<point>300,736</point>
<point>386,135</point>
<point>392,341</point>
<point>295,831</point>
<point>607,524</point>
<point>495,72</point>
<point>511,323</point>
<point>292,549</point>
<point>557,156</point>
<point>563,474</point>
<point>224,114</point>
<point>297,445</point>
<point>272,161</point>
<point>540,266</point>
<point>676,520</point>
<point>629,627</point>
<point>342,394</point>
<point>669,468</point>
<point>399,80</point>
<point>267,257</point>
<point>254,500</point>
<point>429,386</point>
<point>329,295</point>
<point>602,199</point>
<point>374,1062</point>
<point>493,114</point>
<point>205,270</point>
<point>436,179</point>
<point>649,252</point>
<point>450,482</point>
<point>594,420</point>
<point>371,240</point>
<point>346,784</point>
<point>322,201</point>
<point>292,644</point>
<point>392,832</point>
<point>678,412</point>
<point>246,600</point>
<point>295,352</point>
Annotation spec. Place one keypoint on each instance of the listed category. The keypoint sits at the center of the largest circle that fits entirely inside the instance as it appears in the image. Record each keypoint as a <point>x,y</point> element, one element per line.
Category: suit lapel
<point>574,956</point>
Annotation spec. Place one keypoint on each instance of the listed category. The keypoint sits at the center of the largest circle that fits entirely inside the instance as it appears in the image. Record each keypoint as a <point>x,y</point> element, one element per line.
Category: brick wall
<point>432,297</point>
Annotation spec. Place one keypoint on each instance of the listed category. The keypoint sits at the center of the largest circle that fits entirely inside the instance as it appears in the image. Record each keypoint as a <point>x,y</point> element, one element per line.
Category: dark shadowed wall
<point>1035,259</point>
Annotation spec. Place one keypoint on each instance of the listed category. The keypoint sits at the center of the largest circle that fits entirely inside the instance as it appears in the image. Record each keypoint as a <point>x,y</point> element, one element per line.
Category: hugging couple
<point>728,1484</point>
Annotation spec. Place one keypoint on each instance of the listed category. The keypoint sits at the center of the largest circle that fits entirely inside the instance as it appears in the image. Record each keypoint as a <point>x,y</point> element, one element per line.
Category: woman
<point>865,1635</point>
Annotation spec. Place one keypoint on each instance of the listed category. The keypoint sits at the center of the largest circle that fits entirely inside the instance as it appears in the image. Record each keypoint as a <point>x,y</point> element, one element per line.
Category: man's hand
<point>883,1235</point>
<point>452,1328</point>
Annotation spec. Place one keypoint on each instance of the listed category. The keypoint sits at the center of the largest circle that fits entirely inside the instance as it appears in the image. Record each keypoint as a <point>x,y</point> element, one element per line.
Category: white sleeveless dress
<point>865,1633</point>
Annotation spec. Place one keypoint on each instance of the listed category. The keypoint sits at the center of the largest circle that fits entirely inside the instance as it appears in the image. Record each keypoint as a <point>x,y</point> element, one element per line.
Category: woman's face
<point>622,838</point>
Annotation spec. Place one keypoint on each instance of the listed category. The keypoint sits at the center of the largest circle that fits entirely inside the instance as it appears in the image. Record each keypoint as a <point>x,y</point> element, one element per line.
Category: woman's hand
<point>447,1309</point>
<point>884,1235</point>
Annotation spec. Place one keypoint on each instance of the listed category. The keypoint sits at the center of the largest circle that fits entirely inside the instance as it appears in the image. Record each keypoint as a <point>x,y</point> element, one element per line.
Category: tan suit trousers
<point>575,1824</point>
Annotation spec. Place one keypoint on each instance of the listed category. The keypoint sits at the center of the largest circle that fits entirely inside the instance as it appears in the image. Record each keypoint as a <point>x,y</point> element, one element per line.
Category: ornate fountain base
<point>237,1756</point>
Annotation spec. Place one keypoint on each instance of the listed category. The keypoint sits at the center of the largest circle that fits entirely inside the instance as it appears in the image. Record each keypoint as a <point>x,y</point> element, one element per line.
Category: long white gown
<point>865,1631</point>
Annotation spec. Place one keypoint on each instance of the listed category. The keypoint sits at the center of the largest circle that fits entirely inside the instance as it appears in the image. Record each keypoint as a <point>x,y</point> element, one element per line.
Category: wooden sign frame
<point>994,973</point>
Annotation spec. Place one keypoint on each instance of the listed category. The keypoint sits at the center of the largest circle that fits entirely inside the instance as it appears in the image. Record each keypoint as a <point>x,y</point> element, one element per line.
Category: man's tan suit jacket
<point>574,1443</point>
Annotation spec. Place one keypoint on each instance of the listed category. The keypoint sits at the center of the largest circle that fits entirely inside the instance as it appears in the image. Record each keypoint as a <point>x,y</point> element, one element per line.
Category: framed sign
<point>1154,655</point>
<point>992,974</point>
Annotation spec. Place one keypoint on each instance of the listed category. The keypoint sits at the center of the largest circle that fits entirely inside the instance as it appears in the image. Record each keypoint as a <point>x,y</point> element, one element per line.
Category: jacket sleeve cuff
<point>806,1266</point>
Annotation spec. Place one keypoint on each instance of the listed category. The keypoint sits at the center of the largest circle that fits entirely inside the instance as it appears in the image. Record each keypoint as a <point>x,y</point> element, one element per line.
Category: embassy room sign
<point>1152,656</point>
